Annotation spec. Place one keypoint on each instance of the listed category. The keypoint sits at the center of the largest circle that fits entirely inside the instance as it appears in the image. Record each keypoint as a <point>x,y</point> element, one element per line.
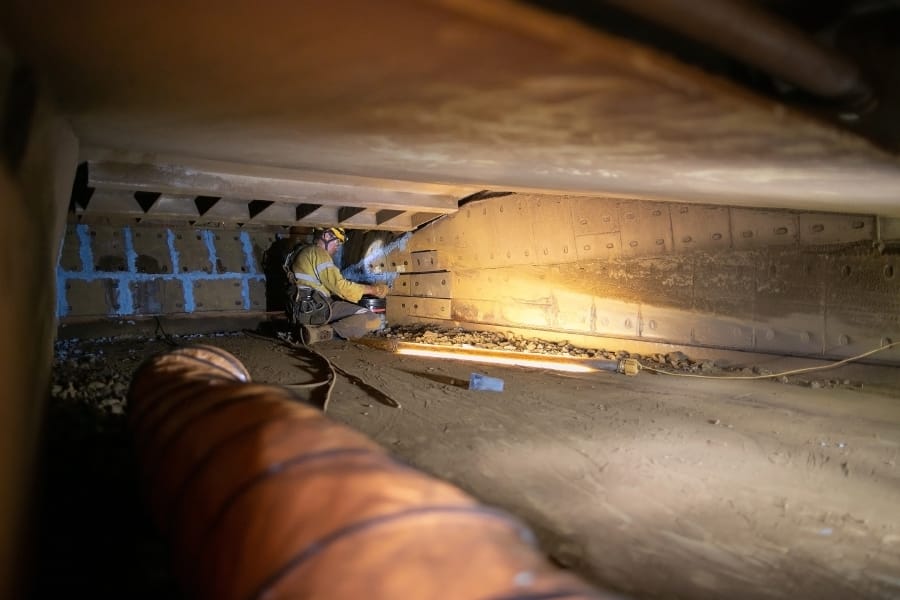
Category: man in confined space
<point>320,299</point>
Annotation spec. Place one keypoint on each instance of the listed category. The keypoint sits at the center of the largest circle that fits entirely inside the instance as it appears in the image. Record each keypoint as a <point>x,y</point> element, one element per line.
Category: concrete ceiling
<point>427,98</point>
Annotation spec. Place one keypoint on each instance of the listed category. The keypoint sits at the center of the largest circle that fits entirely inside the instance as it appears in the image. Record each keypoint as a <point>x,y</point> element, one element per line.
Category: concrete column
<point>37,167</point>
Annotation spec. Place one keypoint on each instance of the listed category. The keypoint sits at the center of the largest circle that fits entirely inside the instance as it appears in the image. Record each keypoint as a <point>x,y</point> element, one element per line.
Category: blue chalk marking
<point>130,253</point>
<point>248,252</point>
<point>192,276</point>
<point>62,306</point>
<point>209,239</point>
<point>245,293</point>
<point>124,280</point>
<point>124,296</point>
<point>174,256</point>
<point>84,248</point>
<point>188,287</point>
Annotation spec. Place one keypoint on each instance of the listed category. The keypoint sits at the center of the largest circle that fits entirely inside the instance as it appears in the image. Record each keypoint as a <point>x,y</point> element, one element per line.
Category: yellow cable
<point>782,374</point>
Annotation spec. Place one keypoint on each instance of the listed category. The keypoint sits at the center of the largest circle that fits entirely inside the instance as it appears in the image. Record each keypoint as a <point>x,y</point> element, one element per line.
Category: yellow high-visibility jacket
<point>314,267</point>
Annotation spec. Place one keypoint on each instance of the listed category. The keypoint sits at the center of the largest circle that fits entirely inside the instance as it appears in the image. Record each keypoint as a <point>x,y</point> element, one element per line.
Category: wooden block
<point>98,297</point>
<point>432,308</point>
<point>398,261</point>
<point>152,249</point>
<point>426,261</point>
<point>432,285</point>
<point>230,256</point>
<point>402,285</point>
<point>221,294</point>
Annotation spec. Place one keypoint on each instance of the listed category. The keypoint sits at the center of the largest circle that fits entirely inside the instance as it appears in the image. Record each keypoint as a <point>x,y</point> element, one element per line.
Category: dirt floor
<point>652,486</point>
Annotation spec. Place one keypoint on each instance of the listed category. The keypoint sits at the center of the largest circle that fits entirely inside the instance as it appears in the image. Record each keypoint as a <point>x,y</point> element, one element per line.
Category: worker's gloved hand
<point>381,290</point>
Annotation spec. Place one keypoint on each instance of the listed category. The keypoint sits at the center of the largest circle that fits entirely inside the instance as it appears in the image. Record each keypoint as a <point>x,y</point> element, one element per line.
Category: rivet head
<point>652,324</point>
<point>628,323</point>
<point>886,341</point>
<point>770,334</point>
<point>687,239</point>
<point>610,246</point>
<point>717,236</point>
<point>806,337</point>
<point>844,339</point>
<point>633,243</point>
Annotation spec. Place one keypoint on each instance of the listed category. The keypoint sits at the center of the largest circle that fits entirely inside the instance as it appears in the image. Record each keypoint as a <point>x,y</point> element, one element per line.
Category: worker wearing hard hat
<point>320,295</point>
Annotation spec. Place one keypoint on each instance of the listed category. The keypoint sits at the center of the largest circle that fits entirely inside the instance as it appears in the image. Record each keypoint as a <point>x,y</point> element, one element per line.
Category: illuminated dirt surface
<point>651,486</point>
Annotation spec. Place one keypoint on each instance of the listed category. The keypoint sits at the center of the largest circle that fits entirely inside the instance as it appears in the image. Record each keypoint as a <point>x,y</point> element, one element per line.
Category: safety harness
<point>305,305</point>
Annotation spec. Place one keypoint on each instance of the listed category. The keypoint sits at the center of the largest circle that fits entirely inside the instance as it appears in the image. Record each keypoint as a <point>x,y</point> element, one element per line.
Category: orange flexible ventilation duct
<point>263,497</point>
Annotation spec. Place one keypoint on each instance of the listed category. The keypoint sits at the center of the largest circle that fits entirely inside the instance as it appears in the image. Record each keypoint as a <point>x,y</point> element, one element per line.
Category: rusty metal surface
<point>488,95</point>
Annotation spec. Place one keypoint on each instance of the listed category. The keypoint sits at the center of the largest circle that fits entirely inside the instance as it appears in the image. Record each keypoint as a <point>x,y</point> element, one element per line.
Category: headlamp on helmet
<point>334,233</point>
<point>338,233</point>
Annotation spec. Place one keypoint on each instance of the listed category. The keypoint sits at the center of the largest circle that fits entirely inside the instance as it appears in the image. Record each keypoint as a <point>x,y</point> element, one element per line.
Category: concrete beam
<point>234,180</point>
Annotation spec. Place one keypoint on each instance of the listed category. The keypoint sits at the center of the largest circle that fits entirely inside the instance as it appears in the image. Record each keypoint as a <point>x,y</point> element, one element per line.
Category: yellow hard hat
<point>338,233</point>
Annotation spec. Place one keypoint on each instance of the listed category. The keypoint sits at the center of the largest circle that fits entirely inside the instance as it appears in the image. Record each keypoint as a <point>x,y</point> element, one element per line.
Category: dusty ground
<point>653,486</point>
